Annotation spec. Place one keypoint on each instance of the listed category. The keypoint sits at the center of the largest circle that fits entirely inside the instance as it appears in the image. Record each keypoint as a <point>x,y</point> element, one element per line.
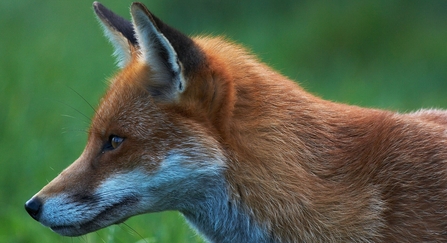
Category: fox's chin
<point>84,228</point>
<point>79,230</point>
<point>72,231</point>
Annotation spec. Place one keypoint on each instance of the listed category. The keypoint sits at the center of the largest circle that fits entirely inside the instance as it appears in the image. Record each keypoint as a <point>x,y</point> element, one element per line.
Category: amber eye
<point>115,141</point>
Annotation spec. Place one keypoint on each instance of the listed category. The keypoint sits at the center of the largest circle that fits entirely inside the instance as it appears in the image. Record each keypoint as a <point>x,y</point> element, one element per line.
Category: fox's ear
<point>170,54</point>
<point>119,31</point>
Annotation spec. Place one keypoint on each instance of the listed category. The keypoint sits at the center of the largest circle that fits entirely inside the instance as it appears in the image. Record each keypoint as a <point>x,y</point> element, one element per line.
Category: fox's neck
<point>221,219</point>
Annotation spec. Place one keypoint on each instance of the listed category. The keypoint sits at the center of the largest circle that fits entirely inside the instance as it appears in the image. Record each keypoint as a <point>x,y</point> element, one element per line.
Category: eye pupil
<point>115,141</point>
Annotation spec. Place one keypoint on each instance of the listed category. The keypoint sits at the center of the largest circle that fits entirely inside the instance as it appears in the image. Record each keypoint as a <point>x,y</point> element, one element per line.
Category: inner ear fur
<point>119,32</point>
<point>171,55</point>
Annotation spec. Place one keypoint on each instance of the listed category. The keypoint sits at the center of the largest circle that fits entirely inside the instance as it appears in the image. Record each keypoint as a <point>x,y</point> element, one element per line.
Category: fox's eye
<point>115,141</point>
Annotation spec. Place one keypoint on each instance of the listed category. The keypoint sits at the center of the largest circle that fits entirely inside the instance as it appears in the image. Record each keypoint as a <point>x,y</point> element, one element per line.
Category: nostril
<point>33,206</point>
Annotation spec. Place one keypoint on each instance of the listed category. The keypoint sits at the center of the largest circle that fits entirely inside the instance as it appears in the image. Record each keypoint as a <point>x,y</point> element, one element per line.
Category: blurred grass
<point>385,54</point>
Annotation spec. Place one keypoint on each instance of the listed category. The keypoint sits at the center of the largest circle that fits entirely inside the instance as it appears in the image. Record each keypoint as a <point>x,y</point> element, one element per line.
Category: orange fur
<point>302,168</point>
<point>314,168</point>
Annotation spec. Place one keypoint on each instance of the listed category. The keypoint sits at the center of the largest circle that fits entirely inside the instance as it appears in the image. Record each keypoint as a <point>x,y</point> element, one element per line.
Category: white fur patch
<point>65,210</point>
<point>177,181</point>
<point>58,210</point>
<point>147,36</point>
<point>120,43</point>
<point>152,42</point>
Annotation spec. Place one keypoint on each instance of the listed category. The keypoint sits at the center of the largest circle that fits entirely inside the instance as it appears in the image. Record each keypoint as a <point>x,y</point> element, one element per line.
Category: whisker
<point>82,97</point>
<point>86,101</point>
<point>83,238</point>
<point>135,232</point>
<point>78,111</point>
<point>69,130</point>
<point>100,237</point>
<point>65,130</point>
<point>76,118</point>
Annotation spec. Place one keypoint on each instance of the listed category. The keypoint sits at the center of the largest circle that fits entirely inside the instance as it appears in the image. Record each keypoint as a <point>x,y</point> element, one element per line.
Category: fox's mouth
<point>76,230</point>
<point>82,229</point>
<point>113,214</point>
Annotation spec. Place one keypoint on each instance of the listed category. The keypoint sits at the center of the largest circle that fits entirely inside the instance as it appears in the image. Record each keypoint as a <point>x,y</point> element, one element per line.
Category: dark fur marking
<point>120,24</point>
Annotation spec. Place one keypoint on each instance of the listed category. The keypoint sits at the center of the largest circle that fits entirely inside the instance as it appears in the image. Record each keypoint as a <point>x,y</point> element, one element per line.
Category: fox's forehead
<point>127,104</point>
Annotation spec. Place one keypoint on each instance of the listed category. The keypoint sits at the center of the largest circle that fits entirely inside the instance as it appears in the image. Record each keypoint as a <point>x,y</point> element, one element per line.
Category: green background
<point>385,54</point>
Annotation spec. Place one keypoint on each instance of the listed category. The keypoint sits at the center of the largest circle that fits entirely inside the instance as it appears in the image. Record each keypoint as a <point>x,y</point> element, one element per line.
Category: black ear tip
<point>139,6</point>
<point>96,5</point>
<point>99,8</point>
<point>114,21</point>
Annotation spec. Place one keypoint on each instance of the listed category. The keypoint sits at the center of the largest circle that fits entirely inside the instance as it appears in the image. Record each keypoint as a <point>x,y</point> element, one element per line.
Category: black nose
<point>33,206</point>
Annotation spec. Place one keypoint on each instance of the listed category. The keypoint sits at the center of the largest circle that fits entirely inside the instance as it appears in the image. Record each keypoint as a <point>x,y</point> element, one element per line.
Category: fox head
<point>149,147</point>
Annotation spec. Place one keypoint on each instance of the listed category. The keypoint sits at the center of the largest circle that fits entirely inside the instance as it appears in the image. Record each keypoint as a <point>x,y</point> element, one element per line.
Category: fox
<point>200,126</point>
